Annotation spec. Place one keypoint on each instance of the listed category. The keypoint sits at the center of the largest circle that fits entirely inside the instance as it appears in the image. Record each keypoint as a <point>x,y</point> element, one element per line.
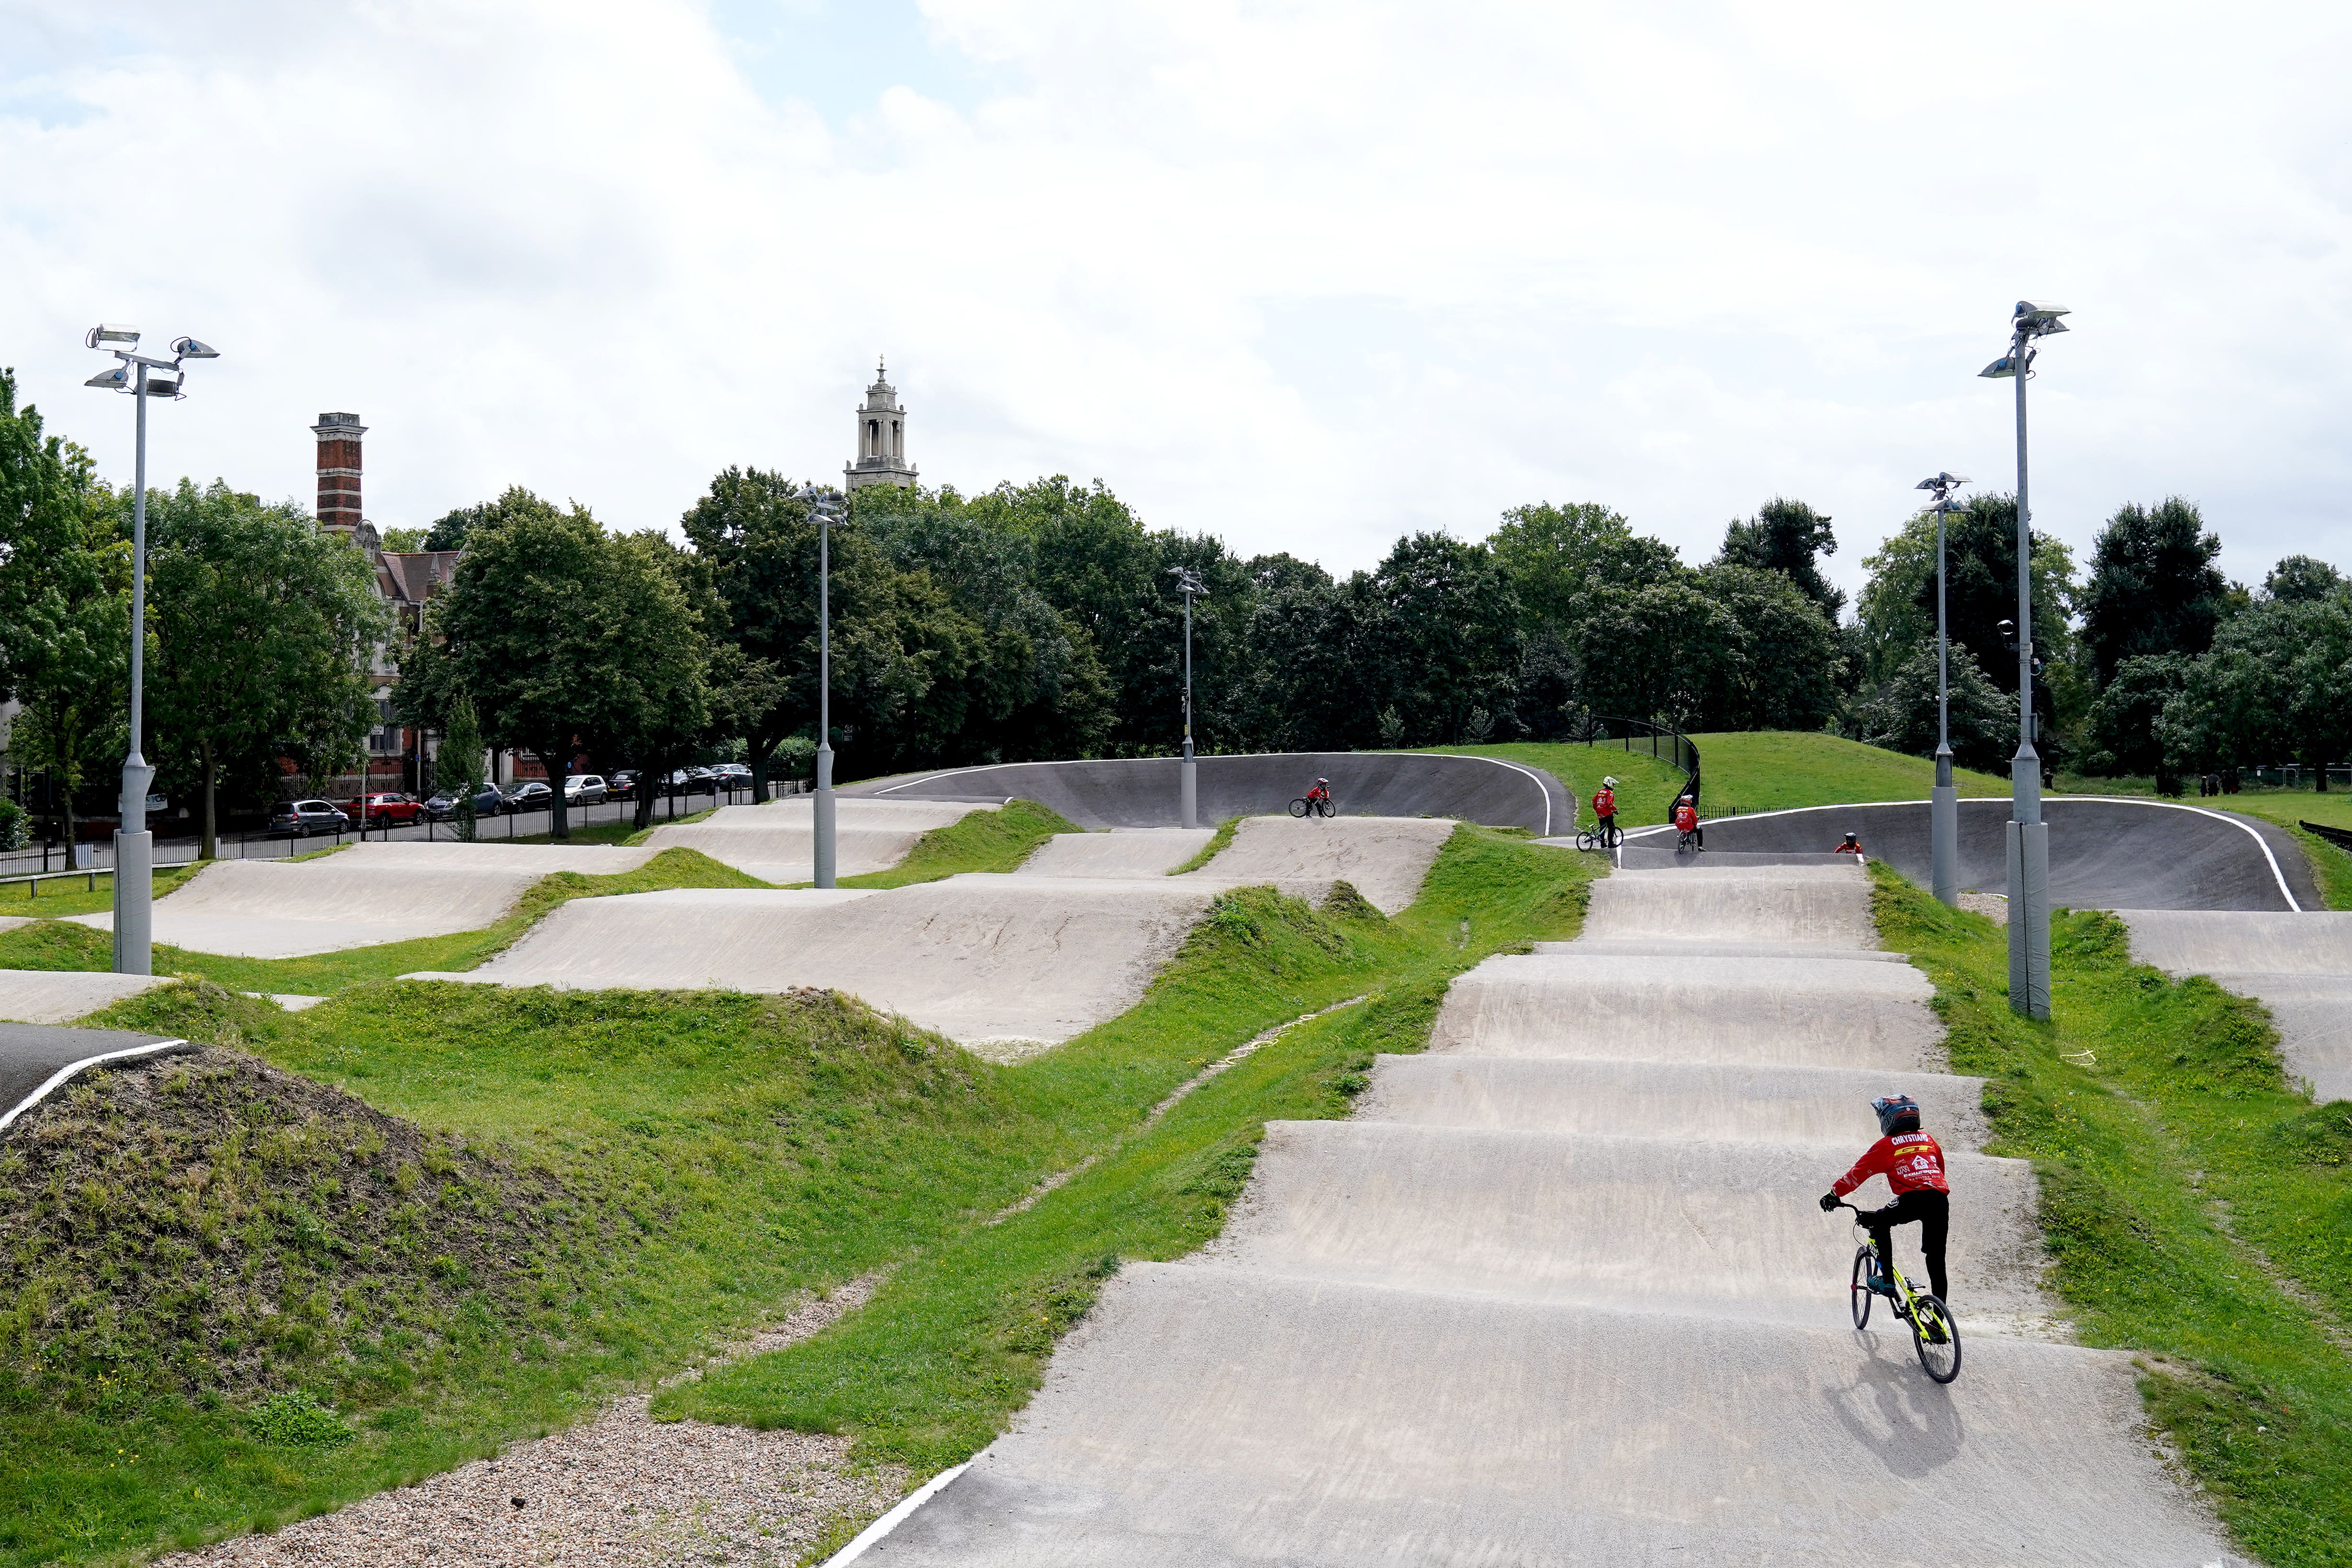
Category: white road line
<point>897,1516</point>
<point>68,1071</point>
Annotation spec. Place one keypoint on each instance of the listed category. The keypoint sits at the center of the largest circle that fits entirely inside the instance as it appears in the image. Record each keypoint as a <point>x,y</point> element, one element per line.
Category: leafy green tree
<point>659,713</point>
<point>1562,559</point>
<point>263,627</point>
<point>1667,652</point>
<point>65,595</point>
<point>459,768</point>
<point>1790,664</point>
<point>1899,712</point>
<point>2276,684</point>
<point>1786,537</point>
<point>403,540</point>
<point>2153,587</point>
<point>1447,637</point>
<point>449,531</point>
<point>2125,722</point>
<point>1898,606</point>
<point>2301,578</point>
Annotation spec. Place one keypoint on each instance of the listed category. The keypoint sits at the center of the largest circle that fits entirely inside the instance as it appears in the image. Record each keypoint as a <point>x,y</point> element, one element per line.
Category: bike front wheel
<point>1326,808</point>
<point>1936,1338</point>
<point>1861,1287</point>
<point>1299,808</point>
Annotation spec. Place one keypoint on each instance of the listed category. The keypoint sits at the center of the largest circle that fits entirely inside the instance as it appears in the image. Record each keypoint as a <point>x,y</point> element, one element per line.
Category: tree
<point>1899,712</point>
<point>2299,579</point>
<point>2276,683</point>
<point>526,629</point>
<point>1562,559</point>
<point>403,540</point>
<point>1786,537</point>
<point>2125,722</point>
<point>1791,662</point>
<point>449,531</point>
<point>658,713</point>
<point>460,763</point>
<point>1898,608</point>
<point>1447,637</point>
<point>64,593</point>
<point>263,627</point>
<point>2153,587</point>
<point>1667,652</point>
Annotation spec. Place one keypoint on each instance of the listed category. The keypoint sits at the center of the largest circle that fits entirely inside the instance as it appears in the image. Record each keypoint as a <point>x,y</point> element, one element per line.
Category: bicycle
<point>1934,1334</point>
<point>1325,807</point>
<point>1687,843</point>
<point>1600,838</point>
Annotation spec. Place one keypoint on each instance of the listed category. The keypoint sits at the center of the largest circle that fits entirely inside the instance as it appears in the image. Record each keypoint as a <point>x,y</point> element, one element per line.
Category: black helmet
<point>1897,1113</point>
<point>1849,839</point>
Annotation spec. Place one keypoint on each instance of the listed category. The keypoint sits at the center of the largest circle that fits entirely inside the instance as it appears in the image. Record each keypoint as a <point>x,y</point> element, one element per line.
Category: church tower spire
<point>881,437</point>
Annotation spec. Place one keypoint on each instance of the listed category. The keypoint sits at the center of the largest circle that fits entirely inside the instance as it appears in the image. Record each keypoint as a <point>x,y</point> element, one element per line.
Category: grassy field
<point>699,1158</point>
<point>76,897</point>
<point>2199,1212</point>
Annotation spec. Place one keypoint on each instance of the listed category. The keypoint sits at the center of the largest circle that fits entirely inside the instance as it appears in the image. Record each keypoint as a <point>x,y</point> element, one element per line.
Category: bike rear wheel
<point>1861,1287</point>
<point>1936,1338</point>
<point>1299,808</point>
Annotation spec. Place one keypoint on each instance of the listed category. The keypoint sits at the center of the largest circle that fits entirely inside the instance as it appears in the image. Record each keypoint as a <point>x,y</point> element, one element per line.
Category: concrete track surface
<point>1129,852</point>
<point>2299,966</point>
<point>61,995</point>
<point>1552,1299</point>
<point>775,842</point>
<point>2105,853</point>
<point>1141,792</point>
<point>362,896</point>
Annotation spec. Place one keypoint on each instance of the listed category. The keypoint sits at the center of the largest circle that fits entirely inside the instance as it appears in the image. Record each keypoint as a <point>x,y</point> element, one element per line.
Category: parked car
<point>691,781</point>
<point>531,795</point>
<point>733,776</point>
<point>301,818</point>
<point>378,809</point>
<point>622,785</point>
<point>442,807</point>
<point>583,789</point>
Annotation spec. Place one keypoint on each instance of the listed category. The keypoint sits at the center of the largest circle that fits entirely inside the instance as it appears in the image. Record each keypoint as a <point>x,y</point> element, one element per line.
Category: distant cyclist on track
<point>1686,821</point>
<point>1851,846</point>
<point>1321,793</point>
<point>1604,807</point>
<point>1913,1163</point>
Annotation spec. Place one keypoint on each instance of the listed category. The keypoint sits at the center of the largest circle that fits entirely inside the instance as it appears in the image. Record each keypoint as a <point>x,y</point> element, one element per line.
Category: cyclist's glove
<point>1829,1202</point>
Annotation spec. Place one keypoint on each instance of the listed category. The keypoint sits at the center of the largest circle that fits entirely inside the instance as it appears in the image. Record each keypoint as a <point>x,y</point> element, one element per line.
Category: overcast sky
<point>1300,275</point>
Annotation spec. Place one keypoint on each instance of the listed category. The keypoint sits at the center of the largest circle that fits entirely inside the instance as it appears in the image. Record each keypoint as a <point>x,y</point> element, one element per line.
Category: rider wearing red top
<point>1604,807</point>
<point>1686,821</point>
<point>1322,790</point>
<point>1913,1163</point>
<point>1851,846</point>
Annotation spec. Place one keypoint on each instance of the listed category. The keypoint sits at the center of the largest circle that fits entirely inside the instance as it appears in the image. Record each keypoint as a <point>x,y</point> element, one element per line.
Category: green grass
<point>955,1342</point>
<point>61,898</point>
<point>713,1153</point>
<point>978,841</point>
<point>1219,841</point>
<point>2199,1212</point>
<point>59,946</point>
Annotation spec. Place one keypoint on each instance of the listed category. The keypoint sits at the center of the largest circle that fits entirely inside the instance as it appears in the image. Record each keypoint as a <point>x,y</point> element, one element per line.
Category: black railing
<point>2336,835</point>
<point>1640,736</point>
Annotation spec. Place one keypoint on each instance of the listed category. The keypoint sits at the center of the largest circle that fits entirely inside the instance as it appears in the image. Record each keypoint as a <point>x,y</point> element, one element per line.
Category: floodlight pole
<point>1944,807</point>
<point>134,850</point>
<point>1188,790</point>
<point>821,809</point>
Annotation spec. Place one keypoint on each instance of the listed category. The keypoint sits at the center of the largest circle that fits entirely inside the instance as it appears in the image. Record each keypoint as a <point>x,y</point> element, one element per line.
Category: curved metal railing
<point>1663,742</point>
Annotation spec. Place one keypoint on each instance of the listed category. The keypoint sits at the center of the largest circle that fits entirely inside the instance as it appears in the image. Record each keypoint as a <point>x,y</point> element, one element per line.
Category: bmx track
<point>2299,966</point>
<point>775,842</point>
<point>1559,1292</point>
<point>1142,792</point>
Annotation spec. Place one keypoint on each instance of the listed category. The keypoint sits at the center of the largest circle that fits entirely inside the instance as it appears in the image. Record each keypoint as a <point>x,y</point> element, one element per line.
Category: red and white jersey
<point>1911,1163</point>
<point>1685,817</point>
<point>1605,803</point>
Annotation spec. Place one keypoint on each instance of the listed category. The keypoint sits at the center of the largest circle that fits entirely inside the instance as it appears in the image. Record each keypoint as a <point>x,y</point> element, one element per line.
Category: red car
<point>376,809</point>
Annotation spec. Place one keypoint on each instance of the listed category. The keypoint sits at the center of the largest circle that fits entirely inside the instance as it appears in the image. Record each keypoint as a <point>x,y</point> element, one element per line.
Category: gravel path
<point>616,1492</point>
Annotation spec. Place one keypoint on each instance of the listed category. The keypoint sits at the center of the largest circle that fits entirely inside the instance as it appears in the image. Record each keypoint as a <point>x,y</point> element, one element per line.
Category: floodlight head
<point>111,333</point>
<point>2042,310</point>
<point>162,384</point>
<point>189,348</point>
<point>115,380</point>
<point>2006,365</point>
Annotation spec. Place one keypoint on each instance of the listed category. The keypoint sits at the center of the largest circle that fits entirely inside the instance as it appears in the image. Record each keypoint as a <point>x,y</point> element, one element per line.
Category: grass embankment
<point>60,897</point>
<point>61,946</point>
<point>2199,1211</point>
<point>1219,842</point>
<point>930,1371</point>
<point>708,1154</point>
<point>977,841</point>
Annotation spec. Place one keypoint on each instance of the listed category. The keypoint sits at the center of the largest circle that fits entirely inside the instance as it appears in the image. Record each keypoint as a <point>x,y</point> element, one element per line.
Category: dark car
<point>531,795</point>
<point>443,806</point>
<point>301,818</point>
<point>733,776</point>
<point>622,785</point>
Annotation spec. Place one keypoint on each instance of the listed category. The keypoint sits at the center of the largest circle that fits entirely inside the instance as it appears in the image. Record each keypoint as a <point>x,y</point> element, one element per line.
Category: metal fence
<point>1639,736</point>
<point>175,846</point>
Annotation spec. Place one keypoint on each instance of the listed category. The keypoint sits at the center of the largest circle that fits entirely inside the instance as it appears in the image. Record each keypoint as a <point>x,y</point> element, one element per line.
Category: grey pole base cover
<point>2029,919</point>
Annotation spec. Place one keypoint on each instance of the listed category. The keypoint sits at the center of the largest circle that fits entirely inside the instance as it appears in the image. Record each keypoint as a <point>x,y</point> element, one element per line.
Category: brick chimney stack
<point>339,472</point>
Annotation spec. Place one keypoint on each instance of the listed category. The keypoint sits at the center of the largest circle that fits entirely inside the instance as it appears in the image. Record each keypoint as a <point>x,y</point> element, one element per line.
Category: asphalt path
<point>35,1060</point>
<point>1141,792</point>
<point>2105,853</point>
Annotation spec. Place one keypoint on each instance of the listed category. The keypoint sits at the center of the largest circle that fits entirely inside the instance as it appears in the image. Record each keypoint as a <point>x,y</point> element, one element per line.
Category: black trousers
<point>1932,1211</point>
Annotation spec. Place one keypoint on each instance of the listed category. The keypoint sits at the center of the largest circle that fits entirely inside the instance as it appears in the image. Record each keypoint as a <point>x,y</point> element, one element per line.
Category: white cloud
<point>1299,274</point>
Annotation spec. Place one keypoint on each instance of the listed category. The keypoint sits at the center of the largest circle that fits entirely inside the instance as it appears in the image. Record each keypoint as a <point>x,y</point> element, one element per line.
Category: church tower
<point>881,437</point>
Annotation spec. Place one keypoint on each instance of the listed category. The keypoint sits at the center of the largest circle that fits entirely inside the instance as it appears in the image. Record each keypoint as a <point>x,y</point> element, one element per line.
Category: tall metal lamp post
<point>135,850</point>
<point>1188,789</point>
<point>826,507</point>
<point>2029,835</point>
<point>1944,814</point>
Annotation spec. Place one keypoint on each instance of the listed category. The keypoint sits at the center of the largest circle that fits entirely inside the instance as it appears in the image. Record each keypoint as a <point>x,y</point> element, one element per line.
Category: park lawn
<point>2198,1211</point>
<point>1646,787</point>
<point>715,1153</point>
<point>61,898</point>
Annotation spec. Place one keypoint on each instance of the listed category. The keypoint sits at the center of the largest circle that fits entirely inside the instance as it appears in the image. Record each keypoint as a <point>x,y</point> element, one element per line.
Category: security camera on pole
<point>1187,791</point>
<point>826,506</point>
<point>2029,835</point>
<point>1944,814</point>
<point>134,848</point>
